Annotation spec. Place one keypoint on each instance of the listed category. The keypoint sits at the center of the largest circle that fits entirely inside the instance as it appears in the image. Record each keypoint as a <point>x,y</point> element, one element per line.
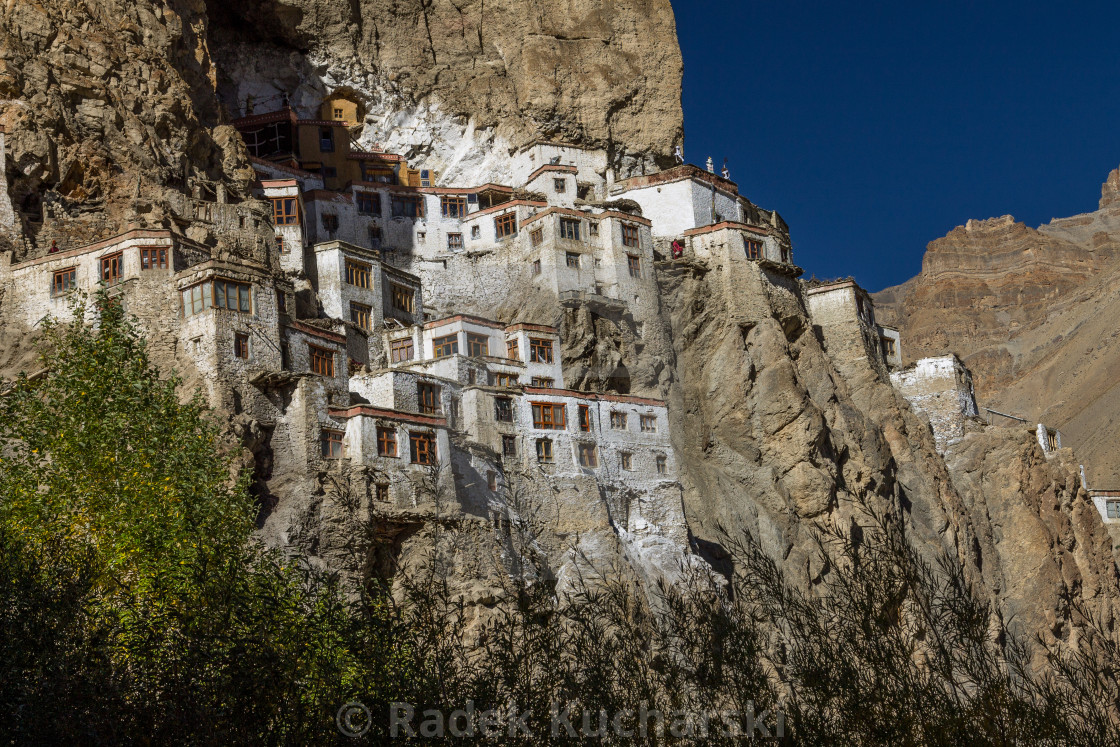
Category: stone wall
<point>940,389</point>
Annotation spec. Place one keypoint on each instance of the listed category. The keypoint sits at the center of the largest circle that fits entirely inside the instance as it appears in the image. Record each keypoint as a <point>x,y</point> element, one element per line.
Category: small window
<point>359,314</point>
<point>593,228</point>
<point>503,409</point>
<point>540,350</point>
<point>153,258</point>
<point>648,423</point>
<point>428,397</point>
<point>634,263</point>
<point>753,248</point>
<point>618,421</point>
<point>453,207</point>
<point>421,237</point>
<point>64,281</point>
<point>477,345</point>
<point>400,350</point>
<point>1112,509</point>
<point>112,267</point>
<point>330,444</point>
<point>509,446</point>
<point>382,493</point>
<point>584,418</point>
<point>572,259</point>
<point>322,361</point>
<point>330,222</point>
<point>282,302</point>
<point>492,480</point>
<point>476,232</point>
<point>506,225</point>
<point>569,228</point>
<point>512,352</point>
<point>455,241</point>
<point>662,464</point>
<point>505,379</point>
<point>588,456</point>
<point>403,298</point>
<point>285,211</point>
<point>281,246</point>
<point>787,256</point>
<point>548,416</point>
<point>369,203</point>
<point>888,346</point>
<point>422,448</point>
<point>326,139</point>
<point>407,206</point>
<point>241,345</point>
<point>338,113</point>
<point>560,185</point>
<point>536,267</point>
<point>629,234</point>
<point>1051,440</point>
<point>627,461</point>
<point>544,450</point>
<point>374,231</point>
<point>536,236</point>
<point>543,382</point>
<point>386,441</point>
<point>358,274</point>
<point>443,347</point>
<point>472,376</point>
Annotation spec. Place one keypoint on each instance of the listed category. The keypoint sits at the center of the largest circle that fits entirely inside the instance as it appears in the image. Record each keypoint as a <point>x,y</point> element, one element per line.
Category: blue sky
<point>876,127</point>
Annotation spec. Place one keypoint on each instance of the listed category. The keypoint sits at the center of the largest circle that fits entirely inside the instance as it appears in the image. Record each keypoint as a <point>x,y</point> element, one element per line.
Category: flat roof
<point>727,224</point>
<point>621,398</point>
<point>381,412</point>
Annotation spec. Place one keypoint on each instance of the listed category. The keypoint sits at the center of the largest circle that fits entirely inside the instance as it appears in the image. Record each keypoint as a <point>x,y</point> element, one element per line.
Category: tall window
<point>536,267</point>
<point>503,409</point>
<point>112,267</point>
<point>285,211</point>
<point>407,206</point>
<point>536,236</point>
<point>153,258</point>
<point>359,314</point>
<point>64,281</point>
<point>506,225</point>
<point>428,396</point>
<point>369,203</point>
<point>403,298</point>
<point>358,273</point>
<point>454,241</point>
<point>593,228</point>
<point>241,345</point>
<point>509,446</point>
<point>1051,440</point>
<point>442,347</point>
<point>330,444</point>
<point>374,231</point>
<point>476,232</point>
<point>629,234</point>
<point>584,418</point>
<point>627,460</point>
<point>648,423</point>
<point>618,421</point>
<point>569,228</point>
<point>787,255</point>
<point>477,345</point>
<point>453,206</point>
<point>588,456</point>
<point>634,263</point>
<point>511,350</point>
<point>662,464</point>
<point>544,450</point>
<point>400,350</point>
<point>322,360</point>
<point>753,248</point>
<point>540,350</point>
<point>422,447</point>
<point>281,247</point>
<point>326,139</point>
<point>386,441</point>
<point>382,492</point>
<point>548,416</point>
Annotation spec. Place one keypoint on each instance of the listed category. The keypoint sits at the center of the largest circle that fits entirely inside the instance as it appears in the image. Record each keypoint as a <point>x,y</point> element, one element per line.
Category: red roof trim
<point>727,224</point>
<point>558,167</point>
<point>119,239</point>
<point>257,119</point>
<point>504,206</point>
<point>593,396</point>
<point>463,318</point>
<point>379,412</point>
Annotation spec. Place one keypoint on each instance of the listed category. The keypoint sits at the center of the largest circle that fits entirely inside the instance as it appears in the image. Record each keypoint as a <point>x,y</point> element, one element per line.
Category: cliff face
<point>1030,311</point>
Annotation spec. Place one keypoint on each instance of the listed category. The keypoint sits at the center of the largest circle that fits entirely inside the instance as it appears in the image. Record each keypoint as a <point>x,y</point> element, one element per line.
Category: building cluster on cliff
<point>324,334</point>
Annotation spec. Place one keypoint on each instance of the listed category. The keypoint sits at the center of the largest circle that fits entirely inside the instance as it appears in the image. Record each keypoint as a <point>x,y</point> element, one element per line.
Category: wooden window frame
<point>661,463</point>
<point>536,236</point>
<point>326,139</point>
<point>505,225</point>
<point>285,211</point>
<point>647,420</point>
<point>453,206</point>
<point>454,242</point>
<point>387,442</point>
<point>427,455</point>
<point>618,420</point>
<point>503,409</point>
<point>588,456</point>
<point>513,351</point>
<point>545,452</point>
<point>1112,509</point>
<point>592,228</point>
<point>429,398</point>
<point>753,248</point>
<point>626,461</point>
<point>540,350</point>
<point>371,200</point>
<point>153,258</point>
<point>559,185</point>
<point>397,348</point>
<point>634,265</point>
<point>503,379</point>
<point>549,416</point>
<point>320,360</point>
<point>585,418</point>
<point>509,446</point>
<point>543,382</point>
<point>402,298</point>
<point>630,235</point>
<point>477,345</point>
<point>381,492</point>
<point>446,346</point>
<point>536,267</point>
<point>360,314</point>
<point>571,259</point>
<point>242,294</point>
<point>69,281</point>
<point>570,229</point>
<point>108,264</point>
<point>329,439</point>
<point>407,206</point>
<point>241,345</point>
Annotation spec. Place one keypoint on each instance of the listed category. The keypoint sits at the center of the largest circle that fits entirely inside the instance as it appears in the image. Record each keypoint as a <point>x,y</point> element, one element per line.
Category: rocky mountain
<point>116,110</point>
<point>1032,313</point>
